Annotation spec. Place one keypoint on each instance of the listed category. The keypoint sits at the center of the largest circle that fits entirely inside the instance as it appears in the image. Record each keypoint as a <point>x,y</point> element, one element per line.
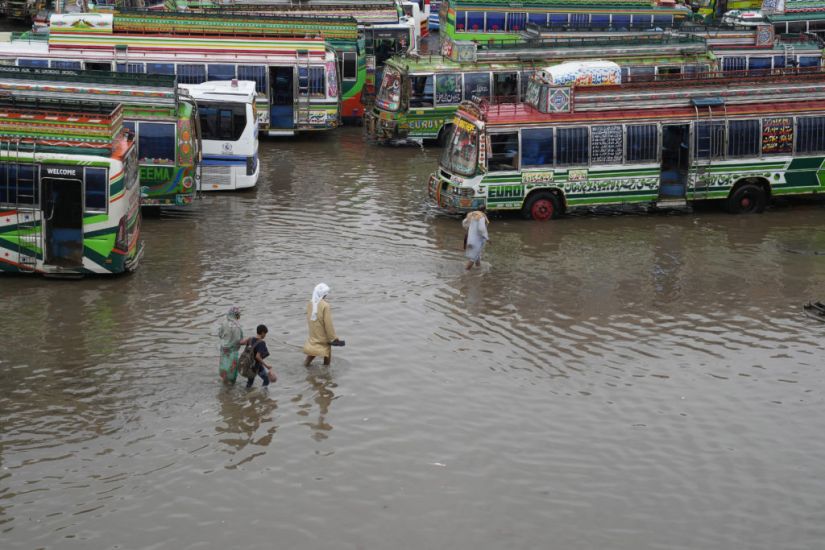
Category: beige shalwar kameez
<point>321,331</point>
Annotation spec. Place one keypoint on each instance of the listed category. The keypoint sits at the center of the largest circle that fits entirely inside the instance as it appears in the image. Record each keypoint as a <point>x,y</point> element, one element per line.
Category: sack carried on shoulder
<point>246,362</point>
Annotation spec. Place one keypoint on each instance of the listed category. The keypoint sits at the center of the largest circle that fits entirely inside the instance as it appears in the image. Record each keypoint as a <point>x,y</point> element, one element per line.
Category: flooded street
<point>603,381</point>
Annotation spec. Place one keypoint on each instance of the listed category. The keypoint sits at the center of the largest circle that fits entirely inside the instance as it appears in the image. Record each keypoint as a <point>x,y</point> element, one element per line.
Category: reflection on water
<point>321,385</point>
<point>625,380</point>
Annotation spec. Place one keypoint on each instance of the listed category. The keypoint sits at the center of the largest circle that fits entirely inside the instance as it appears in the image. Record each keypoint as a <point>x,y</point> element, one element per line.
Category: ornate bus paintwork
<point>69,191</point>
<point>740,140</point>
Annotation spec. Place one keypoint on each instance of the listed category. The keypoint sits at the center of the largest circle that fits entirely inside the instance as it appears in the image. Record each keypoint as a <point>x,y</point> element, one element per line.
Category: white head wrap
<point>318,294</point>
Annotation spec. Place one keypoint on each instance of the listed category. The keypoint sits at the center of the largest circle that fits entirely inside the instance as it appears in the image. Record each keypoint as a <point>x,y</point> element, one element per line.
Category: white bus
<point>296,78</point>
<point>229,132</point>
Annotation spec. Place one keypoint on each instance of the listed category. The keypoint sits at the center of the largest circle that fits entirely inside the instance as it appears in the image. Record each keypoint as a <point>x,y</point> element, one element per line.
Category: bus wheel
<point>541,207</point>
<point>748,199</point>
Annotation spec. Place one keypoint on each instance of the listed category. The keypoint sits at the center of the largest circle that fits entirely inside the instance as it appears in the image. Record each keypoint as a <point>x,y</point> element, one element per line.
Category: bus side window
<point>572,146</point>
<point>255,73</point>
<point>32,62</point>
<point>641,143</point>
<point>221,72</point>
<point>505,87</point>
<point>503,152</point>
<point>349,66</point>
<point>421,94</point>
<point>191,74</point>
<point>744,138</point>
<point>810,134</point>
<point>160,68</point>
<point>96,189</point>
<point>477,85</point>
<point>709,140</point>
<point>537,147</point>
<point>448,89</point>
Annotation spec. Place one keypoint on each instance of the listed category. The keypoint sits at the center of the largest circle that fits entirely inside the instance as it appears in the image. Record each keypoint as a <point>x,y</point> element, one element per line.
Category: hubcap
<point>542,210</point>
<point>746,202</point>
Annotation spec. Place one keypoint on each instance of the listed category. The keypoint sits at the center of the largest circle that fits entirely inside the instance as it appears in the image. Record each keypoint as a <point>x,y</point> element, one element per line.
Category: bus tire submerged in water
<point>541,206</point>
<point>749,198</point>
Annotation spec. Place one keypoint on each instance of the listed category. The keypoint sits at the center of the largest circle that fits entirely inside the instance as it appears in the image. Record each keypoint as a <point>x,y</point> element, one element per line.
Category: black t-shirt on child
<point>260,347</point>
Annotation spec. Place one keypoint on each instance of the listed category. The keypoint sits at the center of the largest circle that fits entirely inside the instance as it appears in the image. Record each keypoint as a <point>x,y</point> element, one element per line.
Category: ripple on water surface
<point>602,381</point>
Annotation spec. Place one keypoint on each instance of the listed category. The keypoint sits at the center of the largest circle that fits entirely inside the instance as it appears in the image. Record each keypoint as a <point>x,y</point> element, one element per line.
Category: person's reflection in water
<point>247,420</point>
<point>321,383</point>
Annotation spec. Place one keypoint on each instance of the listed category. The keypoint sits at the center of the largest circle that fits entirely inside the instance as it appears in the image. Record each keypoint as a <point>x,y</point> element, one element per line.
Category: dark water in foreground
<point>611,381</point>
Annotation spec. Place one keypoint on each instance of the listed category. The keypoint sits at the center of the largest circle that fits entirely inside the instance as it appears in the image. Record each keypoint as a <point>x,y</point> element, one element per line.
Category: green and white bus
<point>69,192</point>
<point>163,117</point>
<point>418,97</point>
<point>738,139</point>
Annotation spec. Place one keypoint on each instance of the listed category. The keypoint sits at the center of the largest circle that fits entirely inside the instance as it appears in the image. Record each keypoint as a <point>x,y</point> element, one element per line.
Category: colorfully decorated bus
<point>738,139</point>
<point>419,96</point>
<point>496,20</point>
<point>164,120</point>
<point>382,31</point>
<point>229,129</point>
<point>69,192</point>
<point>774,52</point>
<point>296,78</point>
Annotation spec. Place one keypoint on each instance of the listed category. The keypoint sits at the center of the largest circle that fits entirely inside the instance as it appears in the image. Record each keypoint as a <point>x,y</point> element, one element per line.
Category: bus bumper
<point>441,193</point>
<point>380,129</point>
<point>132,263</point>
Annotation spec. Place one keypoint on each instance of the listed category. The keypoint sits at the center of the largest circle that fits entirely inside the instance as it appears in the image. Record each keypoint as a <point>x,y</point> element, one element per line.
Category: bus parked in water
<point>494,21</point>
<point>296,79</point>
<point>69,191</point>
<point>361,36</point>
<point>418,97</point>
<point>737,139</point>
<point>164,121</point>
<point>229,129</point>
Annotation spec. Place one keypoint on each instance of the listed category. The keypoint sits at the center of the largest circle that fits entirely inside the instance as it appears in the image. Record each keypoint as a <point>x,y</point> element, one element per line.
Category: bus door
<point>675,165</point>
<point>282,98</point>
<point>63,215</point>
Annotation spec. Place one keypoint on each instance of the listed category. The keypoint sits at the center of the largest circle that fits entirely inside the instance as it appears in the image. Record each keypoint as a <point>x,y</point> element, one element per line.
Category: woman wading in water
<point>231,336</point>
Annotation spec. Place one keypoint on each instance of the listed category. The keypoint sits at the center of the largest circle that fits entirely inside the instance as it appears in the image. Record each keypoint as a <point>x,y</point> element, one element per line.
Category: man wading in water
<point>321,331</point>
<point>476,225</point>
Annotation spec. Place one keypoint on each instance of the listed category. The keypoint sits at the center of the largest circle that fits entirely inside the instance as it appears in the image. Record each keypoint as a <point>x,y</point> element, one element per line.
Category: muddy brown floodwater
<point>603,381</point>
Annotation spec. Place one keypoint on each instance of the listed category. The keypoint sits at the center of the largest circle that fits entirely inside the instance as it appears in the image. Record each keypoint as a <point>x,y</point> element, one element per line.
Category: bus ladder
<point>707,142</point>
<point>28,226</point>
<point>790,55</point>
<point>303,87</point>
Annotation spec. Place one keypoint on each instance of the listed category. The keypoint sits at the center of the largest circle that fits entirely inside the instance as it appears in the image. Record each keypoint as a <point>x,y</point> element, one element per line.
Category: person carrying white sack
<point>476,225</point>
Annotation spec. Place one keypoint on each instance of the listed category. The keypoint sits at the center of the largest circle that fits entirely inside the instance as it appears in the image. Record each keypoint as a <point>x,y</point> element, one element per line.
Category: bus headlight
<point>251,165</point>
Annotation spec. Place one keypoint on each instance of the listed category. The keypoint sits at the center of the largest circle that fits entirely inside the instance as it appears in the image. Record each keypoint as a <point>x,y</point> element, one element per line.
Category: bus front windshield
<point>389,95</point>
<point>461,150</point>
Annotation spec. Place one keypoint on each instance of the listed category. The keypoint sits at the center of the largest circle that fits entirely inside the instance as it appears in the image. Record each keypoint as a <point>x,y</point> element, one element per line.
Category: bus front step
<point>673,204</point>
